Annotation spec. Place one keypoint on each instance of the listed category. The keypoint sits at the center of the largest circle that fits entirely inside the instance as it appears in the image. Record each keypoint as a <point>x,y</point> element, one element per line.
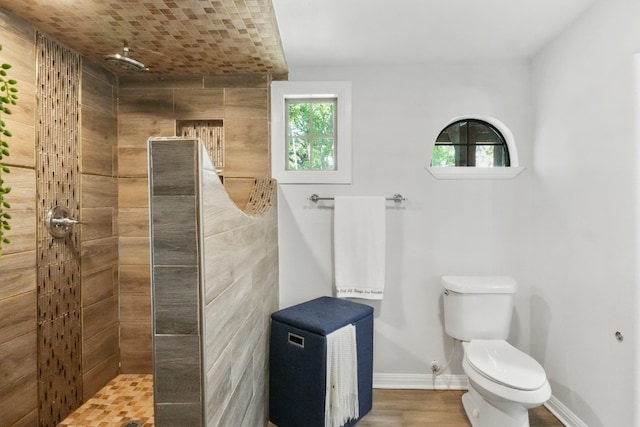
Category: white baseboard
<point>563,413</point>
<point>460,382</point>
<point>420,381</point>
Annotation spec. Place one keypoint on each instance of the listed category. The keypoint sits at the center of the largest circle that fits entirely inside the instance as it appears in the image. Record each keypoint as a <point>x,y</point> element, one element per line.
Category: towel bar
<point>398,198</point>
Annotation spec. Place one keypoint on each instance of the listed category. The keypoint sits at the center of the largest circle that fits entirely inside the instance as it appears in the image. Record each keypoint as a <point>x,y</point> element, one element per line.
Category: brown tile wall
<point>150,108</point>
<point>18,273</point>
<point>99,238</point>
<point>18,270</point>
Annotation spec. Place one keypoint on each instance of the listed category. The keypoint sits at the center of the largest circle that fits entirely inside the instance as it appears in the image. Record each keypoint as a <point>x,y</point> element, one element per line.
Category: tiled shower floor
<point>128,397</point>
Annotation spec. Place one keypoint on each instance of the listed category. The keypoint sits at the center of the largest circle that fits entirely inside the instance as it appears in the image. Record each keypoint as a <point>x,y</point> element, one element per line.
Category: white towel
<point>341,400</point>
<point>359,247</point>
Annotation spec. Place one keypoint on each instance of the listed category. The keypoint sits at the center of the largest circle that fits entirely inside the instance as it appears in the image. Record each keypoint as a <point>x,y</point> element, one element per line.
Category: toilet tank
<point>478,307</point>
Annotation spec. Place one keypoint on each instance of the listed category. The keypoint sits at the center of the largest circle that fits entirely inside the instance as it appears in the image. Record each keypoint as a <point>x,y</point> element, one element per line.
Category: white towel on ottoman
<point>341,400</point>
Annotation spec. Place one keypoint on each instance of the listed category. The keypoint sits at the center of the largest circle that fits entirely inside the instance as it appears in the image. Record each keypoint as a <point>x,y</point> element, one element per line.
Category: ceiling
<point>171,37</point>
<point>367,32</point>
<point>206,37</point>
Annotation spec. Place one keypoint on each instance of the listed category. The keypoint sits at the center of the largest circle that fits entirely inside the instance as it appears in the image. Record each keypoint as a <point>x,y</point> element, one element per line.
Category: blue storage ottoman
<point>298,357</point>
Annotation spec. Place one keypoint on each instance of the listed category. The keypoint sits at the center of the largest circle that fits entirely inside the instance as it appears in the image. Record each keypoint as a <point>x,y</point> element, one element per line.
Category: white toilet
<point>503,381</point>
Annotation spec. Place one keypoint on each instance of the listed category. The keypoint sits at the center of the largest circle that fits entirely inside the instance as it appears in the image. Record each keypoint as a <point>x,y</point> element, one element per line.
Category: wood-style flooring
<point>424,408</point>
<point>430,408</point>
<point>130,397</point>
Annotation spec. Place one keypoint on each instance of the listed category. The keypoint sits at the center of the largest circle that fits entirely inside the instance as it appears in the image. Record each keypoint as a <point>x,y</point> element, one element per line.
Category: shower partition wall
<point>214,285</point>
<point>59,328</point>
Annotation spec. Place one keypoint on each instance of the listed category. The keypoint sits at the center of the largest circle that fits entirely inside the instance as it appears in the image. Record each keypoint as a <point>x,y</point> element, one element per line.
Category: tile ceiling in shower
<point>171,37</point>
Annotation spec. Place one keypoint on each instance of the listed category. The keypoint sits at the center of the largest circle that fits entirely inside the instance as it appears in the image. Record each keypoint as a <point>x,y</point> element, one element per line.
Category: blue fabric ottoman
<point>298,353</point>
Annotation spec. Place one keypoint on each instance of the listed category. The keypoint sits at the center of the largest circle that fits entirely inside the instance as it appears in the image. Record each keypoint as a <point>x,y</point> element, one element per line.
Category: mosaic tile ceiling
<point>171,37</point>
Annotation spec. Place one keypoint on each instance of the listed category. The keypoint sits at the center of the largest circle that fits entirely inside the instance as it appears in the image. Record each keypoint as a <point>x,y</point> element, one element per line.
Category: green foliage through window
<point>311,134</point>
<point>443,156</point>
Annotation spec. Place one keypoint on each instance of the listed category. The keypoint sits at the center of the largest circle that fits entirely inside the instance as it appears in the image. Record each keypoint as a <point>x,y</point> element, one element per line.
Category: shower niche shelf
<point>211,133</point>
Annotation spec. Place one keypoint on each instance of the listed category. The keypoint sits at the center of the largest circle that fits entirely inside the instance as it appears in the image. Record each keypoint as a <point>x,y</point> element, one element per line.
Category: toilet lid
<point>501,362</point>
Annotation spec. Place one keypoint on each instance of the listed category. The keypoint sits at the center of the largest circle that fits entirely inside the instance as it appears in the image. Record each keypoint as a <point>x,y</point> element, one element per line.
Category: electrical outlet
<point>435,366</point>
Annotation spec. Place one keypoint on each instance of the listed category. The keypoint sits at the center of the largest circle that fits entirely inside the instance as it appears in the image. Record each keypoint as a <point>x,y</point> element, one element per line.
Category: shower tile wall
<point>100,352</point>
<point>150,108</point>
<point>58,184</point>
<point>215,283</point>
<point>18,268</point>
<point>18,388</point>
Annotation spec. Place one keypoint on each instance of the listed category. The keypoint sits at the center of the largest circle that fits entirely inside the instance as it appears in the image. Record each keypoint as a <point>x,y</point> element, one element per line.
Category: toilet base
<point>482,413</point>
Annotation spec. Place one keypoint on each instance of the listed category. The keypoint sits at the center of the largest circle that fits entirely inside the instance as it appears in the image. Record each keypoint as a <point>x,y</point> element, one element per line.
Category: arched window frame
<point>465,172</point>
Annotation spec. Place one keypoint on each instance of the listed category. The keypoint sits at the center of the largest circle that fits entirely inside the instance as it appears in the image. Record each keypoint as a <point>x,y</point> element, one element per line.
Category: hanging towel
<point>341,399</point>
<point>359,247</point>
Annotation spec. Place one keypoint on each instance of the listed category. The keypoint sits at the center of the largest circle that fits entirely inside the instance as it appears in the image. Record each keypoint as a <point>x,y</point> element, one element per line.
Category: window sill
<point>474,173</point>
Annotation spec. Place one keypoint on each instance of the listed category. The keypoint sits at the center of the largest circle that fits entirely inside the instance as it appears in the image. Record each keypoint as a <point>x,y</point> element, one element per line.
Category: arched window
<point>470,142</point>
<point>474,147</point>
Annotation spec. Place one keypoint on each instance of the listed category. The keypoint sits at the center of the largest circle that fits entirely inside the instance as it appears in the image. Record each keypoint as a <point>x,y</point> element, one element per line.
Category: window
<point>474,147</point>
<point>472,142</point>
<point>311,132</point>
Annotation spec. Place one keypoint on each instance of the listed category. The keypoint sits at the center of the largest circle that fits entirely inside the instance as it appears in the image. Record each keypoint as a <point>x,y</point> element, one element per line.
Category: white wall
<point>446,227</point>
<point>566,229</point>
<point>585,215</point>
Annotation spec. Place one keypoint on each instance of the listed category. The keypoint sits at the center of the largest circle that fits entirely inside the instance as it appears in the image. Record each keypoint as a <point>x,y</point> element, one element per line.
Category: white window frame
<point>283,90</point>
<point>465,172</point>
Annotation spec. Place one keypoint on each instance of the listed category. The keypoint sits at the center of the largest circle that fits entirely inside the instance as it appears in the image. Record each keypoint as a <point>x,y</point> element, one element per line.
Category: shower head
<point>124,61</point>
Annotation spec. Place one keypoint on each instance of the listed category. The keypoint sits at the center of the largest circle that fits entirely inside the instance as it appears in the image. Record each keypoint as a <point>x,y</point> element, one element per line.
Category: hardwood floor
<point>422,408</point>
<point>425,408</point>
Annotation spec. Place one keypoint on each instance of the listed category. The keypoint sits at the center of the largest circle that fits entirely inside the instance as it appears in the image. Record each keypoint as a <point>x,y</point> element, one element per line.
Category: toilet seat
<point>500,362</point>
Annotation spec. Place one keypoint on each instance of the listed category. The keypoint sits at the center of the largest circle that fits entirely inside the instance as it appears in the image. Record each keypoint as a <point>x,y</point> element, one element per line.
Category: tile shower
<point>110,197</point>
